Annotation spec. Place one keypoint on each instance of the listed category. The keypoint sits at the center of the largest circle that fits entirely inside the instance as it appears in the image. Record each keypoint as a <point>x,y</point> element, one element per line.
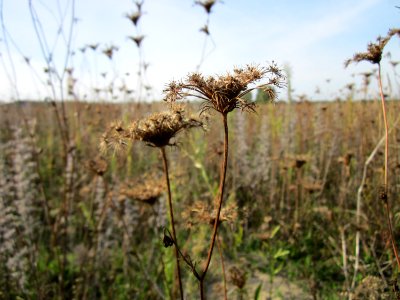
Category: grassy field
<point>301,218</point>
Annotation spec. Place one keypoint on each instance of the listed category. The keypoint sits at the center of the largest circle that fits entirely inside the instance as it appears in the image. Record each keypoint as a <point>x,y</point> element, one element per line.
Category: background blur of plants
<point>77,224</point>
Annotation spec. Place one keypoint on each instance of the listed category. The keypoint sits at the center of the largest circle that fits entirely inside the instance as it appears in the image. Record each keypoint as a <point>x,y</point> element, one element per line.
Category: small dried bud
<point>167,240</point>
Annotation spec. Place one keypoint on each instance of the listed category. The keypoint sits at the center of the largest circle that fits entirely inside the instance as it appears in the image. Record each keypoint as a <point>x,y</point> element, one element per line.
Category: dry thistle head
<point>158,129</point>
<point>374,50</point>
<point>224,93</point>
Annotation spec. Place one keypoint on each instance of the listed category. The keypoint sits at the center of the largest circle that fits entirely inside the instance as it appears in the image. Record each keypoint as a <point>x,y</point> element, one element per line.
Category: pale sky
<point>313,37</point>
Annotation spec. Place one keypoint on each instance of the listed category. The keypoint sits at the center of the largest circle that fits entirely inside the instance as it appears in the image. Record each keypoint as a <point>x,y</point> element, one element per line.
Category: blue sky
<point>313,37</point>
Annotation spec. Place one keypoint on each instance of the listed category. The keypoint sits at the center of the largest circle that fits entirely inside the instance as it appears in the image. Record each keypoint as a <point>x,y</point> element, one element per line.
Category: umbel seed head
<point>374,50</point>
<point>224,93</point>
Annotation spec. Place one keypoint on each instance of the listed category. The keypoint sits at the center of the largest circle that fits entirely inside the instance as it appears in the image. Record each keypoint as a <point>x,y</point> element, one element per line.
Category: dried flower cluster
<point>147,190</point>
<point>374,50</point>
<point>157,130</point>
<point>224,93</point>
<point>199,212</point>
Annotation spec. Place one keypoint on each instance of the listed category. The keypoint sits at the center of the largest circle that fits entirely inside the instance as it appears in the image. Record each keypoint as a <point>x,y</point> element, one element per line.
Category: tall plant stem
<point>171,215</point>
<point>386,128</point>
<point>220,199</point>
<point>223,266</point>
<point>385,195</point>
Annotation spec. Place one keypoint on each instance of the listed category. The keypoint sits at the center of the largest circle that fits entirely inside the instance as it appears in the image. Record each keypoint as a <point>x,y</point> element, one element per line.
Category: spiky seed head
<point>158,129</point>
<point>224,93</point>
<point>374,50</point>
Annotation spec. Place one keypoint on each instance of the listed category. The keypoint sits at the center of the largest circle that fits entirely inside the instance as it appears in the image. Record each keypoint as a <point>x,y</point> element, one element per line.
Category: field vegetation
<point>220,190</point>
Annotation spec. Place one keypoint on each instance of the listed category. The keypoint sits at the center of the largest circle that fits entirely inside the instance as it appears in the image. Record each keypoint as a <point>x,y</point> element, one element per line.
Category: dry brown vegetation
<point>291,189</point>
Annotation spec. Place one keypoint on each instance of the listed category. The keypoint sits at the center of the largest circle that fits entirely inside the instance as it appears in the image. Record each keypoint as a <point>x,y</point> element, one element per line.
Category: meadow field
<point>234,185</point>
<point>301,208</point>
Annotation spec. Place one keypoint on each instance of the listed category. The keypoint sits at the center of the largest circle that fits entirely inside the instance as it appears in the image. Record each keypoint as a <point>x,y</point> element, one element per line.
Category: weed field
<point>301,204</point>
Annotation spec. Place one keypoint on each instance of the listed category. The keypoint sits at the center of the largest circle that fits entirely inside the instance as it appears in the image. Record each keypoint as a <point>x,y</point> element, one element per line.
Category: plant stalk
<point>171,214</point>
<point>220,200</point>
<point>386,200</point>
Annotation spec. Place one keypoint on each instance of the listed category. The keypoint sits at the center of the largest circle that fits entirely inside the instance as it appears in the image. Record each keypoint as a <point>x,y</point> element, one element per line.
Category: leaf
<point>281,252</point>
<point>275,231</point>
<point>257,293</point>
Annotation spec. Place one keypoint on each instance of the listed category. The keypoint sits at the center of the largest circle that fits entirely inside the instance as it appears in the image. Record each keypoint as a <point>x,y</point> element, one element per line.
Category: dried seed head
<point>98,165</point>
<point>238,277</point>
<point>137,39</point>
<point>158,129</point>
<point>374,50</point>
<point>224,93</point>
<point>115,138</point>
<point>134,17</point>
<point>199,212</point>
<point>109,51</point>
<point>147,189</point>
<point>206,4</point>
<point>383,195</point>
<point>167,241</point>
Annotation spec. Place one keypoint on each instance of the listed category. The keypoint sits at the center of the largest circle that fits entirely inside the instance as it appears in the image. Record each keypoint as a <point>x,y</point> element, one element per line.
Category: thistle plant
<point>374,56</point>
<point>223,94</point>
<point>156,131</point>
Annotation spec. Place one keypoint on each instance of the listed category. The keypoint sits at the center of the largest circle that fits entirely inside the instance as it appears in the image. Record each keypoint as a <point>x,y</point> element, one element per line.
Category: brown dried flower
<point>147,189</point>
<point>237,277</point>
<point>206,4</point>
<point>115,138</point>
<point>158,129</point>
<point>137,39</point>
<point>224,93</point>
<point>134,17</point>
<point>374,50</point>
<point>199,212</point>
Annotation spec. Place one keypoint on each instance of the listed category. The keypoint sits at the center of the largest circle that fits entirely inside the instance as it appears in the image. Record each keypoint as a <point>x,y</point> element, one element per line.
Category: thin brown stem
<point>171,214</point>
<point>220,199</point>
<point>386,128</point>
<point>222,266</point>
<point>385,192</point>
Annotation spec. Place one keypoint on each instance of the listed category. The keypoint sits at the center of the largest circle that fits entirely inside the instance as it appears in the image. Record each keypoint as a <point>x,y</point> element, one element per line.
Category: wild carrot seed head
<point>224,93</point>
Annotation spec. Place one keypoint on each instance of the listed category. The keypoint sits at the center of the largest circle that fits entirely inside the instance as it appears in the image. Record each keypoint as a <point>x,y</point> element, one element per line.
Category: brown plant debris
<point>199,212</point>
<point>224,93</point>
<point>98,165</point>
<point>237,277</point>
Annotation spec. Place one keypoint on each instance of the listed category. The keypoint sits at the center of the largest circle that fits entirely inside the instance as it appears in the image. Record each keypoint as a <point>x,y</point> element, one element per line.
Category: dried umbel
<point>374,50</point>
<point>224,93</point>
<point>146,190</point>
<point>199,212</point>
<point>206,4</point>
<point>158,129</point>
